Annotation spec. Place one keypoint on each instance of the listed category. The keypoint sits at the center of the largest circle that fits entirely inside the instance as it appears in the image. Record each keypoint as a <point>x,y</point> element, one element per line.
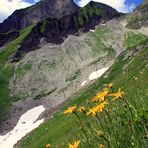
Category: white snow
<point>97,74</point>
<point>27,122</point>
<point>83,83</point>
<point>92,30</point>
<point>103,24</point>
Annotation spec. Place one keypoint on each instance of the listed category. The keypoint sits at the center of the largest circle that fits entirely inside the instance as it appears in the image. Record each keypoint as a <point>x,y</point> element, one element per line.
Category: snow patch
<point>91,30</point>
<point>27,122</point>
<point>83,83</point>
<point>97,74</point>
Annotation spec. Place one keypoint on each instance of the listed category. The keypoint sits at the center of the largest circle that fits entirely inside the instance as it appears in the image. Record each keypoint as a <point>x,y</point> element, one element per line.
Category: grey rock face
<point>44,9</point>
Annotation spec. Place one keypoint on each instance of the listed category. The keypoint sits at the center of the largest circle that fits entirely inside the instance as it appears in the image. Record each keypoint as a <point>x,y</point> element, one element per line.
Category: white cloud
<point>119,5</point>
<point>132,7</point>
<point>9,6</point>
<point>35,1</point>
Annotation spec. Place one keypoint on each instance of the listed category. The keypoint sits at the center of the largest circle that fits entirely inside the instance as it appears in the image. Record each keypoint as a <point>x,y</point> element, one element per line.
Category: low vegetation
<point>73,76</point>
<point>6,72</point>
<point>44,94</point>
<point>85,14</point>
<point>132,39</point>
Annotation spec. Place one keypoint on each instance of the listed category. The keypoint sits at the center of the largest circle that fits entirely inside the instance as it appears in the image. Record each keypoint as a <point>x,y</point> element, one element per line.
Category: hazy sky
<point>9,6</point>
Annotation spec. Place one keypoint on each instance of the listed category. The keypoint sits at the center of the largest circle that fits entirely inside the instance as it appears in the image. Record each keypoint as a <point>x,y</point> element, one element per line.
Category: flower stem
<point>132,124</point>
<point>81,125</point>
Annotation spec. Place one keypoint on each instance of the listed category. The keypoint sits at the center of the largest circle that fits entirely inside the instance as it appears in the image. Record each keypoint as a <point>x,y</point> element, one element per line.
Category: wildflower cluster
<point>101,109</point>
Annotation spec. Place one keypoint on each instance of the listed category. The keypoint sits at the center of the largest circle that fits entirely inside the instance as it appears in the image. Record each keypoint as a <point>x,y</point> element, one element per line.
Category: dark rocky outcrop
<point>55,30</point>
<point>7,37</point>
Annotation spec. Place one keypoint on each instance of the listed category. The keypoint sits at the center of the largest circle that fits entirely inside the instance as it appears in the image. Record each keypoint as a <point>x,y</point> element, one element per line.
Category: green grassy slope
<point>6,72</point>
<point>132,39</point>
<point>129,72</point>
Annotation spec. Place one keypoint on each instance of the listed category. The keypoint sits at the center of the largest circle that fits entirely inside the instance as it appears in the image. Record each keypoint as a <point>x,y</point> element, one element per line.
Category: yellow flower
<point>101,106</point>
<point>48,145</point>
<point>82,109</point>
<point>92,111</point>
<point>98,108</point>
<point>75,145</point>
<point>117,95</point>
<point>101,95</point>
<point>71,109</point>
<point>110,85</point>
<point>102,146</point>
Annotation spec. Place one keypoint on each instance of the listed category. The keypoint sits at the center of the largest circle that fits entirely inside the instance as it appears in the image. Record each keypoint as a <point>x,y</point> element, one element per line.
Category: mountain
<point>38,12</point>
<point>54,50</point>
<point>139,18</point>
<point>55,25</point>
<point>48,43</point>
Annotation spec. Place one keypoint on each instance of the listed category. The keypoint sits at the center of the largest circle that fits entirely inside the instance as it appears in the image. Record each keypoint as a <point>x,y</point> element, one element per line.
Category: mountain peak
<point>38,12</point>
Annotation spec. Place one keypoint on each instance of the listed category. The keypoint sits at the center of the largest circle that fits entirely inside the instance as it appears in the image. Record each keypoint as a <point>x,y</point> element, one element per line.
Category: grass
<point>22,70</point>
<point>86,13</point>
<point>44,94</point>
<point>133,39</point>
<point>6,72</point>
<point>97,39</point>
<point>129,73</point>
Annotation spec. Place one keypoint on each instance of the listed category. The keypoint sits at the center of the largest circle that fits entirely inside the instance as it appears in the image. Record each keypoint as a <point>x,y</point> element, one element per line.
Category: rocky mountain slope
<point>44,9</point>
<point>58,38</point>
<point>53,52</point>
<point>38,12</point>
<point>139,18</point>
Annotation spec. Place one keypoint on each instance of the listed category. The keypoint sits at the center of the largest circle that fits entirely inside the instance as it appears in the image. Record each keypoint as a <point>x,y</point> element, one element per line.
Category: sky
<point>9,6</point>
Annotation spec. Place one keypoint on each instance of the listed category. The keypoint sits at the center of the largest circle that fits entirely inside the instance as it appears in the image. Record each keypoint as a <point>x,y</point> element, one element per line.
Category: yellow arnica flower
<point>98,108</point>
<point>75,145</point>
<point>101,95</point>
<point>117,95</point>
<point>92,111</point>
<point>82,109</point>
<point>101,106</point>
<point>48,146</point>
<point>71,109</point>
<point>102,146</point>
<point>110,85</point>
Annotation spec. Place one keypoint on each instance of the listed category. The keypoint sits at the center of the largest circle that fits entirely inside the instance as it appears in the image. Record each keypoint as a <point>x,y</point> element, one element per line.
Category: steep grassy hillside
<point>6,72</point>
<point>129,72</point>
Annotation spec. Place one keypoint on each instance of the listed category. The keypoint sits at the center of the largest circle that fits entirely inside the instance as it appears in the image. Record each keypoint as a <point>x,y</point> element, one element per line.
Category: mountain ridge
<point>47,63</point>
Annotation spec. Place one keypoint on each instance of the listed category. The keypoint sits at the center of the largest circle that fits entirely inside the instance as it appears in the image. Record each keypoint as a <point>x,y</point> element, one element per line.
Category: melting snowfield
<point>27,122</point>
<point>97,74</point>
<point>94,75</point>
